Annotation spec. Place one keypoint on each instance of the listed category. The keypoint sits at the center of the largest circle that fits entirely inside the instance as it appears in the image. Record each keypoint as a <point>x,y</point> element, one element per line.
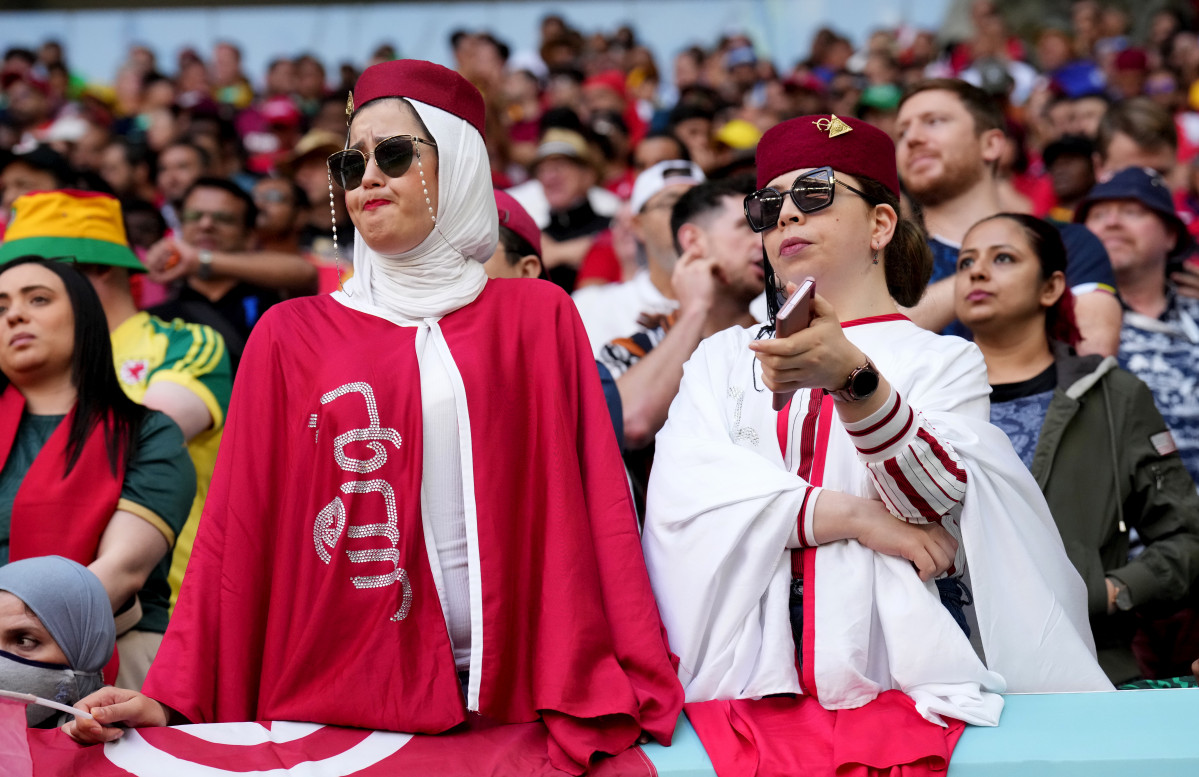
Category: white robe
<point>721,506</point>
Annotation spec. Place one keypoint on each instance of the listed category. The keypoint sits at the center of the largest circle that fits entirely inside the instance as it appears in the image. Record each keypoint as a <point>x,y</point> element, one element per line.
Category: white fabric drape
<point>721,506</point>
<point>416,288</point>
<point>445,271</point>
<point>442,502</point>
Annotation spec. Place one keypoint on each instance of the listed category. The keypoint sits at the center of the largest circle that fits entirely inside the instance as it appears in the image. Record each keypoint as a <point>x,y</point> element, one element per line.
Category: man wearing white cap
<point>612,311</point>
<point>718,273</point>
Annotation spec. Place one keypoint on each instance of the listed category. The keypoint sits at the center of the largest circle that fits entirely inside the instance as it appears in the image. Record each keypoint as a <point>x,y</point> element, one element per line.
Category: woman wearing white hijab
<point>420,468</point>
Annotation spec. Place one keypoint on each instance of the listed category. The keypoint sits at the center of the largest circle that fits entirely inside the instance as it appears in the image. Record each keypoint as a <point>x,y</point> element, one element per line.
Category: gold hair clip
<point>833,126</point>
<point>349,107</point>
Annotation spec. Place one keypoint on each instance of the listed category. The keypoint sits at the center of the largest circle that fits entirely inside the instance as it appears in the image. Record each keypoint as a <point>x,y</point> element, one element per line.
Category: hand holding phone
<point>795,315</point>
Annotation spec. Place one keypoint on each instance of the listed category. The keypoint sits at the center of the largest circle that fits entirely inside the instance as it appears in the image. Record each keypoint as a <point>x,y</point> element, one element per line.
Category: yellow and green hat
<point>67,223</point>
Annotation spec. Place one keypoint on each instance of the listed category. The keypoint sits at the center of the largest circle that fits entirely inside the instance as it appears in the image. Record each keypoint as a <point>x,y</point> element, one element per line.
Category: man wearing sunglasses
<point>226,285</point>
<point>951,137</point>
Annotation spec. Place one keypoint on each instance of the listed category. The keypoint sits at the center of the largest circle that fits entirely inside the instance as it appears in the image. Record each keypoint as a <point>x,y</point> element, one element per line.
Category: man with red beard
<point>950,140</point>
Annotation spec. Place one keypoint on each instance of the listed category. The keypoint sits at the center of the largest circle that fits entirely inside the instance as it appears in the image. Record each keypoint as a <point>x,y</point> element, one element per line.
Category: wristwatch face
<point>864,383</point>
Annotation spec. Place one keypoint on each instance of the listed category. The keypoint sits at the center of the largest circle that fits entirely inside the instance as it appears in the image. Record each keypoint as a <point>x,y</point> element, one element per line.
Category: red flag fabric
<point>14,750</point>
<point>794,735</point>
<point>55,513</point>
<point>302,750</point>
<point>310,596</point>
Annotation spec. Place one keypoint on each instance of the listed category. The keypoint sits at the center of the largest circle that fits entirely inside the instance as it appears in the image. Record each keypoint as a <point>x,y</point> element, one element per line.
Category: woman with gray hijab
<point>56,632</point>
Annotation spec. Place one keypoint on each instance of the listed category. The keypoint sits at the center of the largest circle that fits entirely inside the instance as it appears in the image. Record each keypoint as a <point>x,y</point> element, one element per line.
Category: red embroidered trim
<point>875,320</point>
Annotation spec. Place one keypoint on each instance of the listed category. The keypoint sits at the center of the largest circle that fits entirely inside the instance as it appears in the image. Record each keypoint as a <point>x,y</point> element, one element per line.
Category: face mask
<point>57,682</point>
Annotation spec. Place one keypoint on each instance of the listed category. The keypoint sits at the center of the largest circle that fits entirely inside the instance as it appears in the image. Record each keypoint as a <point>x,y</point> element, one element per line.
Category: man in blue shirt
<point>951,137</point>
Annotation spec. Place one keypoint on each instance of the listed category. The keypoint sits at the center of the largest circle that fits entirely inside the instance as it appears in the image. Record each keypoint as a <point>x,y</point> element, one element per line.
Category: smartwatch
<point>861,384</point>
<point>205,270</point>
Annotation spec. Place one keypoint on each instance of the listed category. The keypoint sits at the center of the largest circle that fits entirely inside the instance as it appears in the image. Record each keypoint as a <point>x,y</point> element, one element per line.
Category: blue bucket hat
<point>1146,187</point>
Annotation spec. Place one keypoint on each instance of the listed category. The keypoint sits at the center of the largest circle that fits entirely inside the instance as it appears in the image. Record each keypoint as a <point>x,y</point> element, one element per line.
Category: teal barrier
<point>1153,732</point>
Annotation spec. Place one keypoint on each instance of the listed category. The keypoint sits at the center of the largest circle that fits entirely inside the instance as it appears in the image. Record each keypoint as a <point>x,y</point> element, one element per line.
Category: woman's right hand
<point>928,546</point>
<point>841,516</point>
<point>110,706</point>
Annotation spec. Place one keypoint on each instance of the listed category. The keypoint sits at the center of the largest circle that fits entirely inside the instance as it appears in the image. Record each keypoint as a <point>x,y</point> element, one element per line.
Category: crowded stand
<point>499,367</point>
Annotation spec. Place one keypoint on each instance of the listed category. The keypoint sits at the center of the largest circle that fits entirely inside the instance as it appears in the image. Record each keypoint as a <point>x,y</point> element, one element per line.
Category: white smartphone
<point>795,315</point>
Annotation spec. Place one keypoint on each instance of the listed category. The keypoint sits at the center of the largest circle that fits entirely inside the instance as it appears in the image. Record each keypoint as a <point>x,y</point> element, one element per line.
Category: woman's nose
<point>789,211</point>
<point>372,176</point>
<point>14,313</point>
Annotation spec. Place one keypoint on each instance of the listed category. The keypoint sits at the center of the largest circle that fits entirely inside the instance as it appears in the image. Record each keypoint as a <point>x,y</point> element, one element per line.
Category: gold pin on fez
<point>833,126</point>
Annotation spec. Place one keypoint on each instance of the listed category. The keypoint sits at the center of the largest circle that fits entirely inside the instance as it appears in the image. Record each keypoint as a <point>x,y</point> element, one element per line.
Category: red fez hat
<point>516,218</point>
<point>849,145</point>
<point>423,81</point>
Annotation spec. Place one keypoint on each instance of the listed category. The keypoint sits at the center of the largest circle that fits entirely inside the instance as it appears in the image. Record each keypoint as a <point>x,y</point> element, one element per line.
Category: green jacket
<point>1102,475</point>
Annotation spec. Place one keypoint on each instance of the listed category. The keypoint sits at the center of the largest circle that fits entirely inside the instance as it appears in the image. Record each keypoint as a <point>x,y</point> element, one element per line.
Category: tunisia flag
<point>291,750</point>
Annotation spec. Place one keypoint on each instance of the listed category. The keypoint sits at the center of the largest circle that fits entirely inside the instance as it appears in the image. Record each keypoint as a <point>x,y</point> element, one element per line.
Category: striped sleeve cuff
<point>883,433</point>
<point>803,533</point>
<point>925,482</point>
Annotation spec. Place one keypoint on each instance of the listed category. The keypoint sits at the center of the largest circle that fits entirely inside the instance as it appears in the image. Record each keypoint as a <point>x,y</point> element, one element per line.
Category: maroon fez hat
<point>849,145</point>
<point>516,218</point>
<point>424,81</point>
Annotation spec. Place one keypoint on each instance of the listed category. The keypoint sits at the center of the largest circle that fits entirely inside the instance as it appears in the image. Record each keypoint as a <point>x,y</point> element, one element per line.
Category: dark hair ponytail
<point>908,259</point>
<point>909,263</point>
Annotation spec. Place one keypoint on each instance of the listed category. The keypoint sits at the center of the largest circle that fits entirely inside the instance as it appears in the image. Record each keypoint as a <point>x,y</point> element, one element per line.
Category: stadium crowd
<point>1054,179</point>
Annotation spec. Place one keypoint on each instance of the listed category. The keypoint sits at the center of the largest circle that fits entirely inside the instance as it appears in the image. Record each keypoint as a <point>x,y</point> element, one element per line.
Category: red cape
<point>278,619</point>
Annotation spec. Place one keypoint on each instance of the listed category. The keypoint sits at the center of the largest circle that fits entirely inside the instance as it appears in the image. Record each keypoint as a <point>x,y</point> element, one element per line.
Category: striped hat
<point>86,226</point>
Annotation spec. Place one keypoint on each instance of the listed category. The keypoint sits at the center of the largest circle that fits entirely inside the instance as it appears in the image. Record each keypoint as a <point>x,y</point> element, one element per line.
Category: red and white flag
<point>282,749</point>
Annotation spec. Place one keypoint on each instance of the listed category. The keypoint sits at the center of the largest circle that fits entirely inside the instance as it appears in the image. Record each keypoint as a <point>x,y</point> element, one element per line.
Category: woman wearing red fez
<point>419,518</point>
<point>836,555</point>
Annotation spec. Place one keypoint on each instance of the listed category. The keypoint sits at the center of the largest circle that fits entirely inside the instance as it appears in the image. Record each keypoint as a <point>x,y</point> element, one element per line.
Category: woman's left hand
<point>818,357</point>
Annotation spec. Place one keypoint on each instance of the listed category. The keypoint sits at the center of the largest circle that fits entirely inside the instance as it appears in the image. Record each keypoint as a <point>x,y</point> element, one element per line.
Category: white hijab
<point>444,272</point>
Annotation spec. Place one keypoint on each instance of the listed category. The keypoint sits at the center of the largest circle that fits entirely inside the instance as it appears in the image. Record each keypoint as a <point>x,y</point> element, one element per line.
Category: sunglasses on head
<point>393,156</point>
<point>810,192</point>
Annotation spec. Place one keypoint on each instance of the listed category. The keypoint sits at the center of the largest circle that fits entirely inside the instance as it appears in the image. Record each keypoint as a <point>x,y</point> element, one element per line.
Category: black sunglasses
<point>810,192</point>
<point>393,156</point>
